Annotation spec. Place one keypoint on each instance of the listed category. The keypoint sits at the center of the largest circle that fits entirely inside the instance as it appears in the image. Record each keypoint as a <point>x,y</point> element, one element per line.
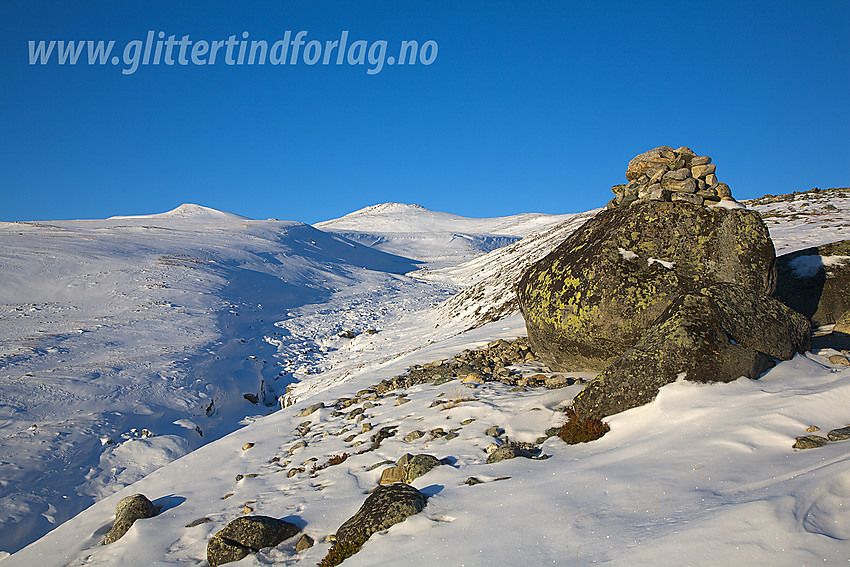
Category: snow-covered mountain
<point>113,327</point>
<point>434,238</point>
<point>188,211</point>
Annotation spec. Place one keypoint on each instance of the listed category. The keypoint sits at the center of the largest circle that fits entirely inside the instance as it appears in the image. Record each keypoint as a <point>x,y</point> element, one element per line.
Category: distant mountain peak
<point>388,208</point>
<point>188,211</point>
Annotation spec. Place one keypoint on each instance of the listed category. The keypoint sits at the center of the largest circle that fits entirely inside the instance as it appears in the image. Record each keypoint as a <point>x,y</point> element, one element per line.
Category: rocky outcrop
<point>717,335</point>
<point>386,506</point>
<point>816,282</point>
<point>247,535</point>
<point>665,174</point>
<point>595,295</point>
<point>128,510</point>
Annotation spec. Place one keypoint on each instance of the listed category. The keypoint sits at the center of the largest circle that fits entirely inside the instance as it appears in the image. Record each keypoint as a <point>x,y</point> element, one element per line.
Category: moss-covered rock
<point>246,535</point>
<point>715,335</point>
<point>596,294</point>
<point>386,506</point>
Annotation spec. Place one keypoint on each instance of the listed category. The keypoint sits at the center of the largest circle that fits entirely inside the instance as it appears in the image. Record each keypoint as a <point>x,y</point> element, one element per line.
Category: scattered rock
<point>128,510</point>
<point>315,407</point>
<point>304,542</point>
<point>512,450</point>
<point>472,481</point>
<point>253,398</point>
<point>347,334</point>
<point>839,359</point>
<point>812,429</point>
<point>557,381</point>
<point>414,435</point>
<point>247,446</point>
<point>839,434</point>
<point>198,522</point>
<point>246,535</point>
<point>810,442</point>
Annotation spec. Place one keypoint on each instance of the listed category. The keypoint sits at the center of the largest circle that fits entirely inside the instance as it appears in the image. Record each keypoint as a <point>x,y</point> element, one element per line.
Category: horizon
<point>497,110</point>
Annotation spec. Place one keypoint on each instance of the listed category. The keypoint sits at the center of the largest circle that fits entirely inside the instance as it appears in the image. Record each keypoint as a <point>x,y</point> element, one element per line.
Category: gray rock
<point>315,407</point>
<point>417,465</point>
<point>691,198</point>
<point>304,542</point>
<point>711,180</point>
<point>700,171</point>
<point>128,510</point>
<point>700,160</point>
<point>810,442</point>
<point>385,507</point>
<point>722,190</point>
<point>678,174</point>
<point>246,535</point>
<point>808,285</point>
<point>658,193</point>
<point>656,171</point>
<point>839,434</point>
<point>414,435</point>
<point>842,323</point>
<point>688,185</point>
<point>558,381</point>
<point>512,451</point>
<point>640,163</point>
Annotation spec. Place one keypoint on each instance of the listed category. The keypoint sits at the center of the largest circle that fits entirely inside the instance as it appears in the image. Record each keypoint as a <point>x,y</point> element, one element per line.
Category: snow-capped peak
<point>188,210</point>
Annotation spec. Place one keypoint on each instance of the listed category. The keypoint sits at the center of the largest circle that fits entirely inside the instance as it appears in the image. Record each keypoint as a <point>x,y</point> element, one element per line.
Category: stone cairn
<point>665,174</point>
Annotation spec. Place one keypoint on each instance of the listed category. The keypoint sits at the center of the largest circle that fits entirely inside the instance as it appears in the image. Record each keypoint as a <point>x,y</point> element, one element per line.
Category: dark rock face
<point>816,282</point>
<point>247,535</point>
<point>595,295</point>
<point>387,505</point>
<point>717,335</point>
<point>127,511</point>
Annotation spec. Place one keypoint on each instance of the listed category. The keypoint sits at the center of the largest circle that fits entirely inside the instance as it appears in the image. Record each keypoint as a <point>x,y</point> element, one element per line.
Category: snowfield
<point>140,354</point>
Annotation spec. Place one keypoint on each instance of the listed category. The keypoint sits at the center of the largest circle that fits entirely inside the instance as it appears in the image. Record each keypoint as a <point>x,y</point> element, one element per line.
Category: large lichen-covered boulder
<point>717,334</point>
<point>596,294</point>
<point>246,535</point>
<point>816,282</point>
<point>386,506</point>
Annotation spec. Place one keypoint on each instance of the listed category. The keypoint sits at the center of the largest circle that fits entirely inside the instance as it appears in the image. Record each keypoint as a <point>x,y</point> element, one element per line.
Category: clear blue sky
<point>528,106</point>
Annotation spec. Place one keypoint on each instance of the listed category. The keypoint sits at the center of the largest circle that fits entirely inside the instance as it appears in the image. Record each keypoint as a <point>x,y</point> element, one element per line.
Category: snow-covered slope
<point>704,475</point>
<point>160,323</point>
<point>435,238</point>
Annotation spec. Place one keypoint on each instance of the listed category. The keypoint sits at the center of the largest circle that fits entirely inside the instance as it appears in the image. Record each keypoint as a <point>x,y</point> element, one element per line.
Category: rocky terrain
<point>404,438</point>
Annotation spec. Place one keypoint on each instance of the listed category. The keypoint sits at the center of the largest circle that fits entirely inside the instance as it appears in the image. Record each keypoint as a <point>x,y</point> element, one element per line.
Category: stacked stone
<point>665,174</point>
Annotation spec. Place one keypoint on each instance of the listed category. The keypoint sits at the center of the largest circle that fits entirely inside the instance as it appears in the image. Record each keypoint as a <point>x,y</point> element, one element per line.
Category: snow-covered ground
<point>112,327</point>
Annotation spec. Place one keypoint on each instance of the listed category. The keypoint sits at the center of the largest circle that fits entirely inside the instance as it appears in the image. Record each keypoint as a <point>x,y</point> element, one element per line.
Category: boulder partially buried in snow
<point>128,510</point>
<point>596,294</point>
<point>247,535</point>
<point>719,334</point>
<point>386,506</point>
<point>816,282</point>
